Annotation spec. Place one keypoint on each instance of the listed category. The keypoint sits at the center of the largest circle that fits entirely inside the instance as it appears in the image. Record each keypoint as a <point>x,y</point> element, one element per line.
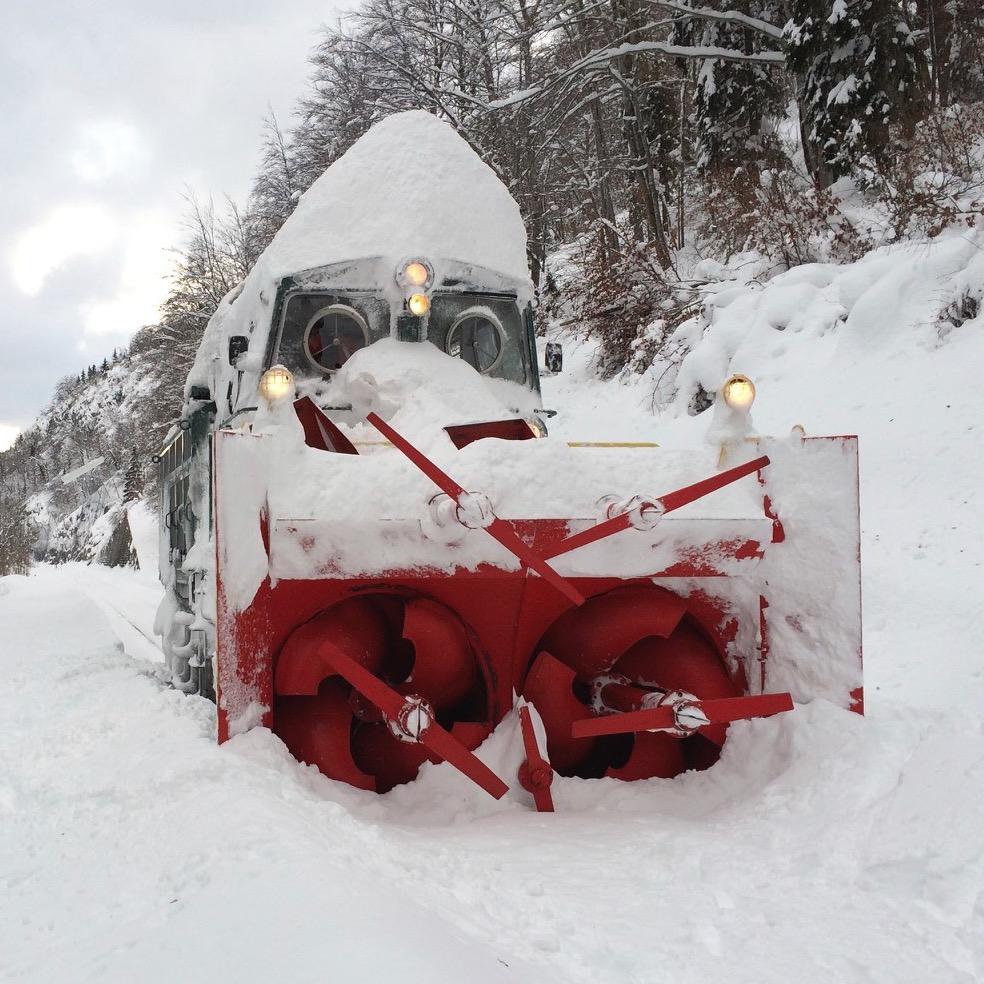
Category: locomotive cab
<point>324,316</point>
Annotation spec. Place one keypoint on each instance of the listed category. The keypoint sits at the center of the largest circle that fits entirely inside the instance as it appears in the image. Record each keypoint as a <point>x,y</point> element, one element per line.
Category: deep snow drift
<point>823,847</point>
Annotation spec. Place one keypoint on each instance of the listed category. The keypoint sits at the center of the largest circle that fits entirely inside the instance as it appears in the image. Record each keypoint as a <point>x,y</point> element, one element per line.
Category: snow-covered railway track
<point>127,601</point>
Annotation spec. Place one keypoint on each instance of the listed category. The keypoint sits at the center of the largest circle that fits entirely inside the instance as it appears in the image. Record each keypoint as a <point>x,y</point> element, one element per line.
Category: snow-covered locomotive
<point>371,546</point>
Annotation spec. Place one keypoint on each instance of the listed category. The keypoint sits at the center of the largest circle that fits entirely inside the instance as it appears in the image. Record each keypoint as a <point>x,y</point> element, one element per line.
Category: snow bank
<point>817,321</point>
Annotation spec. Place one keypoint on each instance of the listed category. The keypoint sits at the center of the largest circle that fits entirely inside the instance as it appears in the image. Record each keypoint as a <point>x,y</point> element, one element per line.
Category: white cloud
<point>106,149</point>
<point>8,434</point>
<point>64,233</point>
<point>70,231</point>
<point>142,282</point>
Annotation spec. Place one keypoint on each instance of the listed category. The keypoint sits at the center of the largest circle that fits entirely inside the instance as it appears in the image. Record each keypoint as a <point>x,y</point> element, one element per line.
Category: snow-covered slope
<point>823,847</point>
<point>71,468</point>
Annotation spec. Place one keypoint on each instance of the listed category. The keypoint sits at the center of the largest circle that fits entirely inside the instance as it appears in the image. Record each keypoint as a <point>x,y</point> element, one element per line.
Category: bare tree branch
<point>725,16</point>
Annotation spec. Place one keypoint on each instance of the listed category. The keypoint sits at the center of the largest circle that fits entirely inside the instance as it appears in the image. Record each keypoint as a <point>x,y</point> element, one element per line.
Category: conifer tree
<point>857,68</point>
<point>133,481</point>
<point>734,102</point>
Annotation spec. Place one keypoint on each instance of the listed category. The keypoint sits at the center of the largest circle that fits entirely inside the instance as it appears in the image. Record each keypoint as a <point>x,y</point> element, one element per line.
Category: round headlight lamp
<point>419,304</point>
<point>738,392</point>
<point>277,385</point>
<point>415,274</point>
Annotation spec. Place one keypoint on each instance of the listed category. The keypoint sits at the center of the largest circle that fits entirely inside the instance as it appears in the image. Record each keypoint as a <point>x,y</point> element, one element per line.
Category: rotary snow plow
<point>375,550</point>
<point>378,639</point>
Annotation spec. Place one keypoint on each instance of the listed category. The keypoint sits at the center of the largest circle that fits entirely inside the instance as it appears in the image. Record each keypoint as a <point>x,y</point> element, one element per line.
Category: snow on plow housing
<point>374,549</point>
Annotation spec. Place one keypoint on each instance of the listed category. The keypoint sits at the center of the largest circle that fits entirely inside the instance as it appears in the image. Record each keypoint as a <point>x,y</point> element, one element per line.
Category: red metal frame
<point>506,612</point>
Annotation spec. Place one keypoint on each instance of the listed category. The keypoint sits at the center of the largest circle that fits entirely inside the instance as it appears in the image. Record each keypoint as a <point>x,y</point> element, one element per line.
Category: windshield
<point>320,331</point>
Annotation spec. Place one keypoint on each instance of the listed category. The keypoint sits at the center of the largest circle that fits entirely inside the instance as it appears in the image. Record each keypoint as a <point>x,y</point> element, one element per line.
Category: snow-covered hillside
<point>823,847</point>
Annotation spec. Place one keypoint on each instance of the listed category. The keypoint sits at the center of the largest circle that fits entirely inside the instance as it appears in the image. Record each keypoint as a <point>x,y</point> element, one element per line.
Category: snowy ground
<point>823,847</point>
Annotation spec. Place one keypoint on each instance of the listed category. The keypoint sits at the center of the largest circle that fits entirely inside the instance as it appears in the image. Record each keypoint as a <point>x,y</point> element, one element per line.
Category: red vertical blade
<point>538,772</point>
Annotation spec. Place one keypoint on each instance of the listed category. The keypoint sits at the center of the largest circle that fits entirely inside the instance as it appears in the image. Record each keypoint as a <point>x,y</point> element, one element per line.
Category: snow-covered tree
<point>133,481</point>
<point>857,69</point>
<point>735,103</point>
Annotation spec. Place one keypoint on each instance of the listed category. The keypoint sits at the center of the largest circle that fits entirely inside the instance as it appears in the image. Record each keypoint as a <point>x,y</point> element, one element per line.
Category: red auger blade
<point>669,502</point>
<point>354,627</point>
<point>444,667</point>
<point>377,751</point>
<point>548,687</point>
<point>535,774</point>
<point>721,711</point>
<point>591,639</point>
<point>499,529</point>
<point>655,755</point>
<point>434,737</point>
<point>317,730</point>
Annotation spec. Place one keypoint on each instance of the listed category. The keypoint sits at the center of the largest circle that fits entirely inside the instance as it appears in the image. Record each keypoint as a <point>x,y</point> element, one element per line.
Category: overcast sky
<point>108,112</point>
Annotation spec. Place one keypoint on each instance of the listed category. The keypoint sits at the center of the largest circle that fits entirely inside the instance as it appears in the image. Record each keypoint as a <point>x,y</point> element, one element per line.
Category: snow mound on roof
<point>411,186</point>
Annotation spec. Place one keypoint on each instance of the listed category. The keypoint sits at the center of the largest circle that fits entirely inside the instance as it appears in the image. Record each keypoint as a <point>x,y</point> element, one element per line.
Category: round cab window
<point>333,335</point>
<point>476,338</point>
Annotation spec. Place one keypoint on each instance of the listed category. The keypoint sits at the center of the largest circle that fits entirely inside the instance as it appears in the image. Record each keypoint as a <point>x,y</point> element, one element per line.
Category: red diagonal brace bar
<point>535,774</point>
<point>433,737</point>
<point>721,711</point>
<point>668,502</point>
<point>498,529</point>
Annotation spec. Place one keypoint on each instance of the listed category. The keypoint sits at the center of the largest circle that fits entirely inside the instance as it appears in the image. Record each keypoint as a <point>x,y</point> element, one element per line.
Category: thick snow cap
<point>411,186</point>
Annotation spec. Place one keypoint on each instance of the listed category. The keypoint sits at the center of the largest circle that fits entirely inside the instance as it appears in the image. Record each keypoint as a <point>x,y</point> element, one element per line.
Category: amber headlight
<point>419,304</point>
<point>276,384</point>
<point>738,392</point>
<point>415,273</point>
